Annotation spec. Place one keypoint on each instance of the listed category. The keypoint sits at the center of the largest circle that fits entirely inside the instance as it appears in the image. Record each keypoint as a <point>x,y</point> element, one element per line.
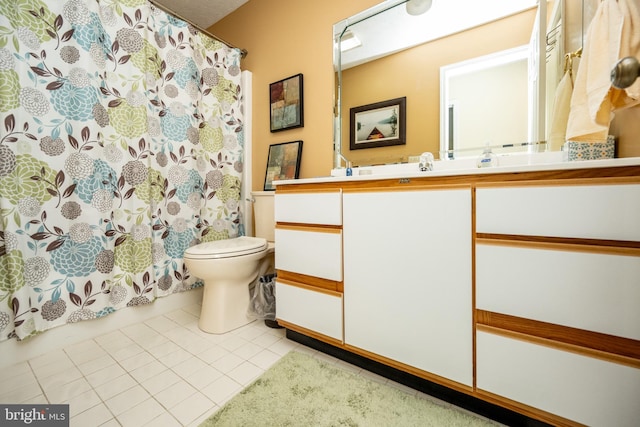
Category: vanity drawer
<point>319,207</point>
<point>584,389</point>
<point>310,251</point>
<point>598,292</point>
<point>606,211</point>
<point>318,311</point>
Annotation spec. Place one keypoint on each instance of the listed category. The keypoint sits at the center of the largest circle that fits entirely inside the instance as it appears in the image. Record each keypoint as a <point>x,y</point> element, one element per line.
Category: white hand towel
<point>560,113</point>
<point>613,34</point>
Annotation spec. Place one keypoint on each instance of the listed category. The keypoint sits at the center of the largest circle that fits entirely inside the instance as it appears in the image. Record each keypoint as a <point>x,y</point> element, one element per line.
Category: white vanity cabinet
<point>308,260</point>
<point>521,289</point>
<point>407,278</point>
<point>558,297</point>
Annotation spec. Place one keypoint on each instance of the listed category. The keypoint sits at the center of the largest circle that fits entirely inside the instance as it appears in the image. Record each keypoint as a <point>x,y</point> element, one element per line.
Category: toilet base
<point>224,307</point>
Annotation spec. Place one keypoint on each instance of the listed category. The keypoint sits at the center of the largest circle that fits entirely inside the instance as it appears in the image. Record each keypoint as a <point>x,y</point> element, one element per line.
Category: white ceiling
<point>203,13</point>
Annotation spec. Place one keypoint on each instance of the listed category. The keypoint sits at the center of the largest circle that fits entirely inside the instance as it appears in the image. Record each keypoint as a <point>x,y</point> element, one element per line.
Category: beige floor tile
<point>248,350</point>
<point>126,352</point>
<point>141,413</point>
<point>203,377</point>
<point>134,362</point>
<point>51,357</point>
<point>233,343</point>
<point>62,363</point>
<point>265,359</point>
<point>21,394</point>
<point>282,346</point>
<point>189,366</point>
<point>176,358</point>
<point>113,340</point>
<point>147,371</point>
<point>126,400</point>
<point>80,403</point>
<point>17,370</point>
<point>94,365</point>
<point>227,363</point>
<point>221,390</point>
<point>191,408</point>
<point>95,416</point>
<point>245,373</point>
<point>59,379</point>
<point>181,317</point>
<point>116,386</point>
<point>160,382</point>
<point>163,420</point>
<point>84,351</point>
<point>66,392</point>
<point>213,354</point>
<point>175,394</point>
<point>161,324</point>
<point>266,340</point>
<point>105,375</point>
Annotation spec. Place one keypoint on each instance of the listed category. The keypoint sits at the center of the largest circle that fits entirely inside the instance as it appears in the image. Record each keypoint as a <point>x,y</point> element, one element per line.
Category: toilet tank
<point>265,223</point>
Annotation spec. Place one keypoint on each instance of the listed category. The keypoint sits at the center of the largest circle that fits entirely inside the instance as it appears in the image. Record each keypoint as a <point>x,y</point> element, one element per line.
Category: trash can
<point>262,303</point>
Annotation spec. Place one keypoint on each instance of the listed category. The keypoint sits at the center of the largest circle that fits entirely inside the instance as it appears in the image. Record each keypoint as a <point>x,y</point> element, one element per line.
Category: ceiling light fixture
<point>418,7</point>
<point>349,41</point>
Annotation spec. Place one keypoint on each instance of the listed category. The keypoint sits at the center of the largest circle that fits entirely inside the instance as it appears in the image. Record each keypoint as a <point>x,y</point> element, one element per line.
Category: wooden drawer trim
<point>526,409</point>
<point>307,189</point>
<point>608,175</point>
<point>336,229</point>
<point>562,183</point>
<point>594,344</point>
<point>607,247</point>
<point>308,332</point>
<point>316,284</point>
<point>408,186</point>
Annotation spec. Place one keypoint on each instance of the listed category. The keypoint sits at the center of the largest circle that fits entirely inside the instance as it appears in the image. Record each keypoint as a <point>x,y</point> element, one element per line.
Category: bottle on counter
<point>487,159</point>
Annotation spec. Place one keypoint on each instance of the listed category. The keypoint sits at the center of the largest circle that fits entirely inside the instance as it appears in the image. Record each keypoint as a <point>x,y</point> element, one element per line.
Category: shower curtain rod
<point>243,52</point>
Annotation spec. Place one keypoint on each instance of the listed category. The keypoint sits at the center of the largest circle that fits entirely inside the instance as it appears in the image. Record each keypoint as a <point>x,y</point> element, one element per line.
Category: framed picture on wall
<point>286,103</point>
<point>283,162</point>
<point>378,125</point>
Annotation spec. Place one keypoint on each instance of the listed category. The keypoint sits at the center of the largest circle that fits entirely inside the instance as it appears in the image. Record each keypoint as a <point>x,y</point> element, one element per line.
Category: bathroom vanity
<point>517,285</point>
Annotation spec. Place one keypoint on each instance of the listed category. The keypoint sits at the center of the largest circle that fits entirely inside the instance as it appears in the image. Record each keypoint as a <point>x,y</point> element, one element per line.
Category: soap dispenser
<point>487,159</point>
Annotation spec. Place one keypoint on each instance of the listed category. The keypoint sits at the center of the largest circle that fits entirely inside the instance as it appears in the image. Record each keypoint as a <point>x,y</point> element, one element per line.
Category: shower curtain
<point>121,145</point>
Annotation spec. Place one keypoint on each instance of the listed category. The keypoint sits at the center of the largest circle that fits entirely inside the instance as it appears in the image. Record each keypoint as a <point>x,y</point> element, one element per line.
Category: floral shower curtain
<point>120,146</point>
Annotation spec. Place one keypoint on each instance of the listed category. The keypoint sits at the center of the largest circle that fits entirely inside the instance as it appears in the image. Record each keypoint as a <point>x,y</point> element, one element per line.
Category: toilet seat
<point>228,248</point>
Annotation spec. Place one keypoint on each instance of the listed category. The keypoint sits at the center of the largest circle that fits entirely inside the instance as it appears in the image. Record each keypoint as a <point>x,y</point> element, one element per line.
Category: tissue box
<point>584,150</point>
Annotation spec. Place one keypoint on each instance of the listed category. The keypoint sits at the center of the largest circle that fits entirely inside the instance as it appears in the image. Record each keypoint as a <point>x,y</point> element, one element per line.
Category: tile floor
<point>163,372</point>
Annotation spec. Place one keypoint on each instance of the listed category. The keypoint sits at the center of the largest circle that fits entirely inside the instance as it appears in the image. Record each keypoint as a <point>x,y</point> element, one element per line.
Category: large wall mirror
<point>392,51</point>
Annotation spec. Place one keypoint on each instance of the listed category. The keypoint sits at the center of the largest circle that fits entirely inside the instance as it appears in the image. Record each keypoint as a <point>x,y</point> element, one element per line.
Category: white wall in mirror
<point>476,91</point>
<point>378,34</point>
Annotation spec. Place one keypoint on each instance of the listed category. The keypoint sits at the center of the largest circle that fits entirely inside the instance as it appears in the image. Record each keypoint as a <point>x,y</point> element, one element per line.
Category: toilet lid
<point>227,248</point>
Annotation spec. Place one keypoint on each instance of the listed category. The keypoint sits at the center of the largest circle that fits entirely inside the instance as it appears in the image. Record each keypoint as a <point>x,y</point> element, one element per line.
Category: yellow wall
<point>286,37</point>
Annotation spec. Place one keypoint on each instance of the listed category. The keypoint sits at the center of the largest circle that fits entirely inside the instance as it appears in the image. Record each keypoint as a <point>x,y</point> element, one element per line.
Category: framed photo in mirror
<point>283,163</point>
<point>286,103</point>
<point>380,124</point>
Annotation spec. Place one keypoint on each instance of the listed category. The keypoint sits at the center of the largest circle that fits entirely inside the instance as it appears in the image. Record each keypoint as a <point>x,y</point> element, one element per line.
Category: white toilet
<point>228,267</point>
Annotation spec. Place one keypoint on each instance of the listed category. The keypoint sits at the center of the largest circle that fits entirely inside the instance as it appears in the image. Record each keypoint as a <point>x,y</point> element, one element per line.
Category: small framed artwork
<point>286,103</point>
<point>378,125</point>
<point>283,162</point>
